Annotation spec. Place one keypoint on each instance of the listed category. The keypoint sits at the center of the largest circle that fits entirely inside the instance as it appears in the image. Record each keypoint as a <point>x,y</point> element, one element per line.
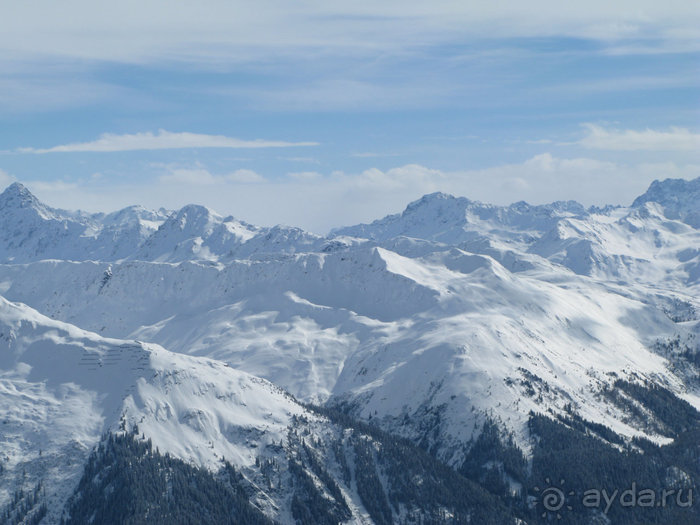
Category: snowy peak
<point>16,192</point>
<point>436,202</point>
<point>280,241</point>
<point>134,215</point>
<point>181,236</point>
<point>196,233</point>
<point>680,199</point>
<point>30,230</point>
<point>671,191</point>
<point>193,218</point>
<point>18,199</point>
<point>443,218</point>
<point>429,217</point>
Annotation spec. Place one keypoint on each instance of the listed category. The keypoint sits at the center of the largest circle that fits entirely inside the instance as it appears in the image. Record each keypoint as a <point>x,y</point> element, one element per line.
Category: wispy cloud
<point>673,139</point>
<point>109,142</point>
<point>140,32</point>
<point>539,141</point>
<point>343,94</point>
<point>48,90</point>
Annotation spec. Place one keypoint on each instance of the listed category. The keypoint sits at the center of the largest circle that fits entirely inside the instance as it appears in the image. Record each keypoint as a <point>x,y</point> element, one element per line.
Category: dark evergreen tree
<point>127,482</point>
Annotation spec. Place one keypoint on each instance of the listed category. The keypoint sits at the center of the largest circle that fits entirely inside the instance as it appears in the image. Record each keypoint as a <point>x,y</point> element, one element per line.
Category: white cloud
<point>109,142</point>
<point>244,176</point>
<point>320,202</point>
<point>5,178</point>
<point>131,31</point>
<point>195,176</point>
<point>200,176</point>
<point>674,139</point>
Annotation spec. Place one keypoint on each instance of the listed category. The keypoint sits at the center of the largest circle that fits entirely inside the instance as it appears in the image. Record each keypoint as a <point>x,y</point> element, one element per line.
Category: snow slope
<point>61,388</point>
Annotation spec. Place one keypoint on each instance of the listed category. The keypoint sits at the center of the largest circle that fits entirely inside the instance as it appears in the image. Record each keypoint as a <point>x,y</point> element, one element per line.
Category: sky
<point>321,114</point>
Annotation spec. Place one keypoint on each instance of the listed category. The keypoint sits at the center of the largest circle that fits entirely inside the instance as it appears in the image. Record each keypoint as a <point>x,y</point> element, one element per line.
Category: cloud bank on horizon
<point>327,113</point>
<point>319,202</point>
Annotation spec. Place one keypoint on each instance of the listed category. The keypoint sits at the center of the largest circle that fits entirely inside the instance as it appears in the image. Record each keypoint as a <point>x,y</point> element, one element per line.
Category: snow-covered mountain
<point>32,230</point>
<point>428,322</point>
<point>62,390</point>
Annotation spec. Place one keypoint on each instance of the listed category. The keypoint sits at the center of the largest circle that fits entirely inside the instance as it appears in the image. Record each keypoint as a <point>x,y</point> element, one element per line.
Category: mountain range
<point>222,342</point>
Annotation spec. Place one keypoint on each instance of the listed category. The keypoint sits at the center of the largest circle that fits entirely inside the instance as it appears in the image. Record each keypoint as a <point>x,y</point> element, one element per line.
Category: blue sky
<point>328,113</point>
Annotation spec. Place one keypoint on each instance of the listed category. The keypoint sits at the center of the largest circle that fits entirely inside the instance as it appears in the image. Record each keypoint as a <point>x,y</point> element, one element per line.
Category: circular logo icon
<point>553,499</point>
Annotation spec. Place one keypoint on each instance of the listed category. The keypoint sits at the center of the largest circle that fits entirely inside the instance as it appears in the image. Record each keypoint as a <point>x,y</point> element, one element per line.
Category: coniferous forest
<point>127,481</point>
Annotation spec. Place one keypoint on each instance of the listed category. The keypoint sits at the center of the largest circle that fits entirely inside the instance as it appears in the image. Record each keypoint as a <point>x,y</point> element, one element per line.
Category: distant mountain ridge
<point>33,231</point>
<point>451,215</point>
